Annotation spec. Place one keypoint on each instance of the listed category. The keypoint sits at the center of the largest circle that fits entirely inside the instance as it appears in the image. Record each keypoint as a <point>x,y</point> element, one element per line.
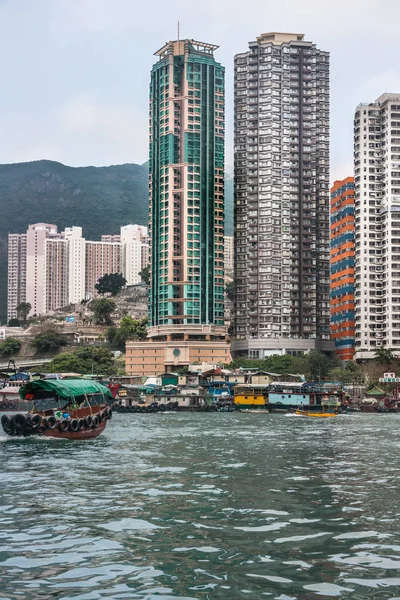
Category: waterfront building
<point>186,197</point>
<point>377,225</point>
<point>281,143</point>
<point>101,258</point>
<point>342,267</point>
<point>228,255</point>
<point>16,285</point>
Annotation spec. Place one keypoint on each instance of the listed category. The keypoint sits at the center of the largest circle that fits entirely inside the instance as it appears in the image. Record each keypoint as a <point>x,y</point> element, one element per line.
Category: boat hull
<point>84,434</point>
<point>46,424</point>
<point>319,415</point>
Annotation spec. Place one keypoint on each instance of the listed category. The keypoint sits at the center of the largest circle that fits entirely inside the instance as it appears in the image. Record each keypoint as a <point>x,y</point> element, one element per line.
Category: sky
<point>75,73</point>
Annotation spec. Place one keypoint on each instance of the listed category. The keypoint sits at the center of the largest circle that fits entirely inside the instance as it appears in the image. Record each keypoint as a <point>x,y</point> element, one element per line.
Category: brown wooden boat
<point>73,409</point>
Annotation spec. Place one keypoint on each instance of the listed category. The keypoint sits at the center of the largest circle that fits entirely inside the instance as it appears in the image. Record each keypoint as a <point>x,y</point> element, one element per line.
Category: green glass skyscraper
<point>186,193</point>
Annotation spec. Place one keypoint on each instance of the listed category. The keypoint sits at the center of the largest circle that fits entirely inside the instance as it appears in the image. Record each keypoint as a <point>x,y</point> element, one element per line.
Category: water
<point>211,506</point>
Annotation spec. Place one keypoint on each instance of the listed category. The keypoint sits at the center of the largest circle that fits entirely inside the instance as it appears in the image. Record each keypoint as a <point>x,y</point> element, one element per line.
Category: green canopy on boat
<point>65,388</point>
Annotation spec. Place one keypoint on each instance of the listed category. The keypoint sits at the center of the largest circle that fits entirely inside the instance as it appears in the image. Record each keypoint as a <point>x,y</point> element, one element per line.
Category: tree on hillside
<point>85,361</point>
<point>129,329</point>
<point>10,346</point>
<point>48,340</point>
<point>145,275</point>
<point>14,323</point>
<point>110,283</point>
<point>23,310</point>
<point>384,356</point>
<point>102,310</point>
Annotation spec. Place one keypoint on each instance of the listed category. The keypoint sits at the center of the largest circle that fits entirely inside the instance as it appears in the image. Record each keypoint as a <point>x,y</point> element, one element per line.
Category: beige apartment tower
<point>186,202</point>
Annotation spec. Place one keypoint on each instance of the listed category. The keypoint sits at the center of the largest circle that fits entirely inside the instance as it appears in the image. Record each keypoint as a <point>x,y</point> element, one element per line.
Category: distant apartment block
<point>75,264</point>
<point>16,286</point>
<point>135,252</point>
<point>342,267</point>
<point>44,262</point>
<point>50,270</point>
<point>377,225</point>
<point>228,255</point>
<point>101,258</point>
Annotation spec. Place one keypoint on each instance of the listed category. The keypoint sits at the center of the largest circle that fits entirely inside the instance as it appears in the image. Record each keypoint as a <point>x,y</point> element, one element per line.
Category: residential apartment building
<point>75,264</point>
<point>101,258</point>
<point>55,282</point>
<point>186,191</point>
<point>377,216</point>
<point>135,252</point>
<point>228,255</point>
<point>16,285</point>
<point>281,138</point>
<point>50,270</point>
<point>342,267</point>
<point>39,266</point>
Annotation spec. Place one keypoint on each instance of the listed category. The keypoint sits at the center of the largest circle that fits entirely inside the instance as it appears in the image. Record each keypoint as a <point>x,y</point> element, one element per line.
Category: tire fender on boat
<point>41,429</point>
<point>63,425</point>
<point>88,421</point>
<point>51,422</point>
<point>35,421</point>
<point>95,421</point>
<point>5,421</point>
<point>19,422</point>
<point>74,425</point>
<point>81,424</point>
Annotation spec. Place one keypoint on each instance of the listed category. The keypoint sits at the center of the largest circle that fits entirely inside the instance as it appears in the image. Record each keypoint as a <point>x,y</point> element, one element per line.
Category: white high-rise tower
<point>377,225</point>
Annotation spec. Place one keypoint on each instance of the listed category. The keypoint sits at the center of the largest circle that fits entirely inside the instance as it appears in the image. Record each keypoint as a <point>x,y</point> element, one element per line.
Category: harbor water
<point>212,506</point>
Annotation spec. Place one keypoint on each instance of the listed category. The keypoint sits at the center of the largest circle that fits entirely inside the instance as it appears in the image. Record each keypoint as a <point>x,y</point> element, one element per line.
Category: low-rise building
<point>150,356</point>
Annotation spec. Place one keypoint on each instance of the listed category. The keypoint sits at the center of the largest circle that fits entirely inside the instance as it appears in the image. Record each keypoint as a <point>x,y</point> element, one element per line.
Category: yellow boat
<point>322,415</point>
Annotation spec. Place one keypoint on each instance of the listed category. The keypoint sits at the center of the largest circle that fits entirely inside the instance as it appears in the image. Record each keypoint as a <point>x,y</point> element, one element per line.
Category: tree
<point>351,373</point>
<point>384,356</point>
<point>48,340</point>
<point>10,346</point>
<point>129,329</point>
<point>230,290</point>
<point>319,365</point>
<point>14,323</point>
<point>98,360</point>
<point>110,283</point>
<point>102,310</point>
<point>145,275</point>
<point>23,310</point>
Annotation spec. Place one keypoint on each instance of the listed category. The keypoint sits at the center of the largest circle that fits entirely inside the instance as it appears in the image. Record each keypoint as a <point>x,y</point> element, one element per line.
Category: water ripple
<point>217,507</point>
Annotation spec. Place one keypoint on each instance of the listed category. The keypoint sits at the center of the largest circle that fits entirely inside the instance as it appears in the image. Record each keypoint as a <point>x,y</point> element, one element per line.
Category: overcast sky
<point>75,73</point>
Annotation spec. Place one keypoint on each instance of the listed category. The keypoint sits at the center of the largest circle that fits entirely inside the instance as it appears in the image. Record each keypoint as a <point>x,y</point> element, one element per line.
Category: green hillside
<point>99,199</point>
